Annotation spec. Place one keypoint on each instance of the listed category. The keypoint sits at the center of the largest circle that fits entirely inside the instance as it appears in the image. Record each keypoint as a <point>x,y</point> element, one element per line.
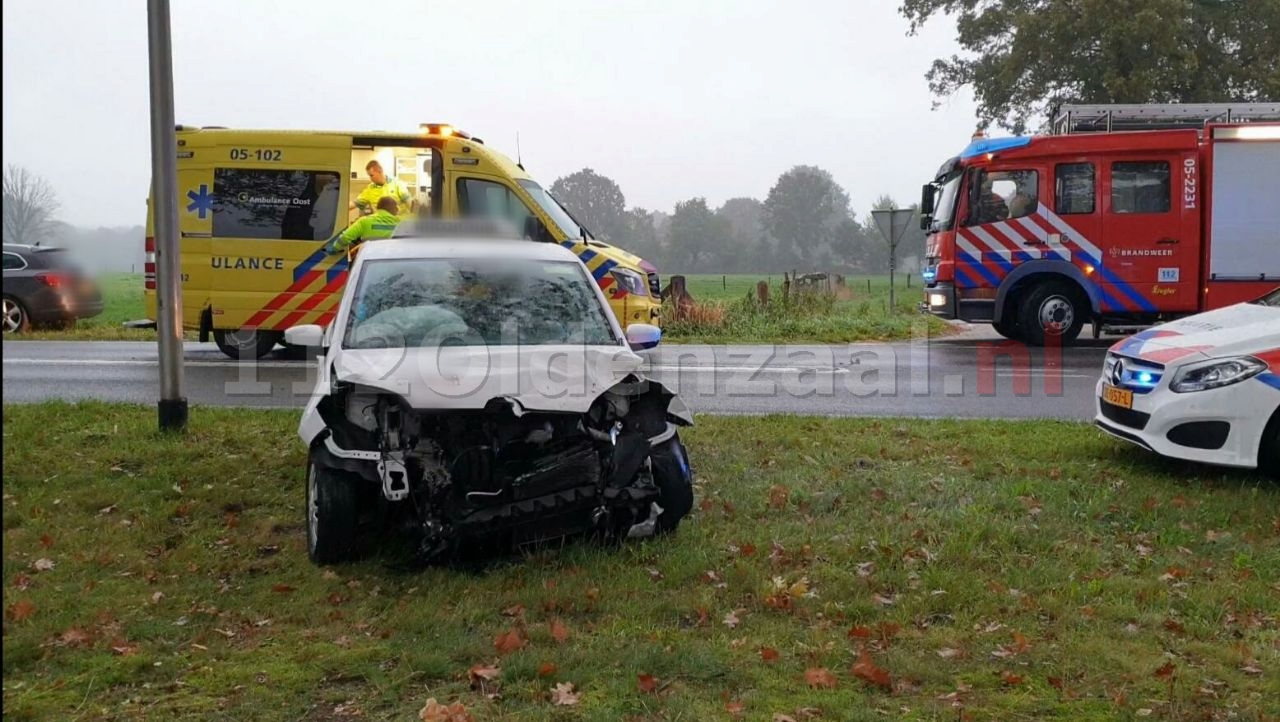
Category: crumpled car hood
<point>539,378</point>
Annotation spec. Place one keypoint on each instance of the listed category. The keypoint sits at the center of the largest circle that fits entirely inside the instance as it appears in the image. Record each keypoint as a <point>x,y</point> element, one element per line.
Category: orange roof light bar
<point>442,129</point>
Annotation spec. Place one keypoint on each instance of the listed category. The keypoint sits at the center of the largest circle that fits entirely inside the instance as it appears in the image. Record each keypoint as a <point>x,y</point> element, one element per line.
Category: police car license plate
<point>1117,397</point>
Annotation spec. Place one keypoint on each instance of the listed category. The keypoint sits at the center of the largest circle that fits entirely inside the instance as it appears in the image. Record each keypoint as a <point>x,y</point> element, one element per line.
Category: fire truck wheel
<point>246,342</point>
<point>1007,326</point>
<point>1052,309</point>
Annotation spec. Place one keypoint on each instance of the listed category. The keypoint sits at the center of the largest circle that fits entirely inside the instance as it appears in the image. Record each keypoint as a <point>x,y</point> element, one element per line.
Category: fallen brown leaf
<point>647,683</point>
<point>547,669</point>
<point>559,632</point>
<point>433,711</point>
<point>1010,678</point>
<point>1165,671</point>
<point>778,496</point>
<point>819,678</point>
<point>867,671</point>
<point>46,541</point>
<point>509,641</point>
<point>563,695</point>
<point>769,654</point>
<point>481,673</point>
<point>735,708</point>
<point>282,588</point>
<point>21,610</point>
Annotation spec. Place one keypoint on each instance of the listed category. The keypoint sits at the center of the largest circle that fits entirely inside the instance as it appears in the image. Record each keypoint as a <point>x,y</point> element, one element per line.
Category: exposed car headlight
<point>630,281</point>
<point>1215,373</point>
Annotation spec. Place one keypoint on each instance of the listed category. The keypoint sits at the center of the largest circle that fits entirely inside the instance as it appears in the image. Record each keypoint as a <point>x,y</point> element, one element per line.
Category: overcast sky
<point>670,98</point>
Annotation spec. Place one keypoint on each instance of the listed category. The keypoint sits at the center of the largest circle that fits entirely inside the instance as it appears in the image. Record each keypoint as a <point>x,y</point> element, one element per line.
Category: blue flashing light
<point>993,145</point>
<point>1144,378</point>
<point>929,275</point>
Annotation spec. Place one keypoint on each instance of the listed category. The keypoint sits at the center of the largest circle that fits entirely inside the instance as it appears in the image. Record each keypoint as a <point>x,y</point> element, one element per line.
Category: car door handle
<point>1168,242</point>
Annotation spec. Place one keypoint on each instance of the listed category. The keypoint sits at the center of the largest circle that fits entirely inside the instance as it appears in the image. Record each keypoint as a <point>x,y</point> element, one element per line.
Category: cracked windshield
<point>474,302</point>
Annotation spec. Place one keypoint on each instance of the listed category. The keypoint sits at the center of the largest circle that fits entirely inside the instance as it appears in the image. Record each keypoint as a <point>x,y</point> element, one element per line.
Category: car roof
<point>410,247</point>
<point>28,248</point>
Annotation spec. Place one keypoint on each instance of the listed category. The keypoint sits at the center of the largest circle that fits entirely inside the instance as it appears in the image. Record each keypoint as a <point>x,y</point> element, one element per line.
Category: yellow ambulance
<point>256,208</point>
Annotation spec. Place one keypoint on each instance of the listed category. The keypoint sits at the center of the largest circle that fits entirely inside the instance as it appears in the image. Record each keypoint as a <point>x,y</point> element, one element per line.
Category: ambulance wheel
<point>332,515</point>
<point>1052,310</point>
<point>1269,453</point>
<point>247,343</point>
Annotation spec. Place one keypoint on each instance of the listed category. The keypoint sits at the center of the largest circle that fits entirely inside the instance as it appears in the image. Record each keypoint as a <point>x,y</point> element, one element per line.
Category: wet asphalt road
<point>960,376</point>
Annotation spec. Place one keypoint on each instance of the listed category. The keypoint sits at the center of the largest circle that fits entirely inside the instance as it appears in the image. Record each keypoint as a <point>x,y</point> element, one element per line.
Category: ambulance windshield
<point>552,208</point>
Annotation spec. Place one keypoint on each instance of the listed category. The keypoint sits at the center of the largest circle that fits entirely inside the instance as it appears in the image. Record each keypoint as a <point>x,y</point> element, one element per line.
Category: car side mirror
<point>642,336</point>
<point>309,335</point>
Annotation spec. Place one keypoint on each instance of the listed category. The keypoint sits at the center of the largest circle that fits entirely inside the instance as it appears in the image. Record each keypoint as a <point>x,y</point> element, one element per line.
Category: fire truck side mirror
<point>926,206</point>
<point>926,199</point>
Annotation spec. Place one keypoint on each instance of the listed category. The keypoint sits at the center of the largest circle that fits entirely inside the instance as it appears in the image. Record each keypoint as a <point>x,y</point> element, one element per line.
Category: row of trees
<point>805,222</point>
<point>30,207</point>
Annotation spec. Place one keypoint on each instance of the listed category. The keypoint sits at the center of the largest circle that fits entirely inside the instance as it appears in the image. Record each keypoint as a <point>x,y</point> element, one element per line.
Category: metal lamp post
<point>164,195</point>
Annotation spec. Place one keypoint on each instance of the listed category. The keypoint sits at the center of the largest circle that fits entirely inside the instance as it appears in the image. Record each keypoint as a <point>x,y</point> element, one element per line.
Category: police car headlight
<point>1215,373</point>
<point>629,281</point>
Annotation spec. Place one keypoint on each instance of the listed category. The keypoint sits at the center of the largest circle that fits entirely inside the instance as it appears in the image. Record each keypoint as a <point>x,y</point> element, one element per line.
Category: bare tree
<point>29,206</point>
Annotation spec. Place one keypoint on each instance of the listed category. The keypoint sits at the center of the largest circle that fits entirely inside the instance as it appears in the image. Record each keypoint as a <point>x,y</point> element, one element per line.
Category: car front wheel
<point>671,474</point>
<point>1269,454</point>
<point>331,515</point>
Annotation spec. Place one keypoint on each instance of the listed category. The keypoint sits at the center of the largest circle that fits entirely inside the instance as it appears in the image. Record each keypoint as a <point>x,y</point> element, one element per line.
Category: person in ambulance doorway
<point>368,228</point>
<point>380,186</point>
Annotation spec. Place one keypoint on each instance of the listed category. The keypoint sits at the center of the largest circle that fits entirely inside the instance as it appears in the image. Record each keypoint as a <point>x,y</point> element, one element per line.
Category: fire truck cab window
<point>1140,187</point>
<point>1074,190</point>
<point>1004,195</point>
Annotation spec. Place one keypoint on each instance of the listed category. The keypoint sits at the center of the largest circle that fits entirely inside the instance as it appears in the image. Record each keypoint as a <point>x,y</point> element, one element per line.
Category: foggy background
<point>672,100</point>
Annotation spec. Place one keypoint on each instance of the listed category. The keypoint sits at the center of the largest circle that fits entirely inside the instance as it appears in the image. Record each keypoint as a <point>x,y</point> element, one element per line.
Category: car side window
<point>14,262</point>
<point>1140,187</point>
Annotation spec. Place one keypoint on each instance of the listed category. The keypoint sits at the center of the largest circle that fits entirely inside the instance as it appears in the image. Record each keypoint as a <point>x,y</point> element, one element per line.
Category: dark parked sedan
<point>43,288</point>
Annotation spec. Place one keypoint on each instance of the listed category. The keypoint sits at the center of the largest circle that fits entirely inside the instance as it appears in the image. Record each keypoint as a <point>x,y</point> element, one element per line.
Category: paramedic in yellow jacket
<point>380,186</point>
<point>368,228</point>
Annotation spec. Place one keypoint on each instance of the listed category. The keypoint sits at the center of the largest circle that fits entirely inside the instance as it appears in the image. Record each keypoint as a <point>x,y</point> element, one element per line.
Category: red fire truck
<point>1121,216</point>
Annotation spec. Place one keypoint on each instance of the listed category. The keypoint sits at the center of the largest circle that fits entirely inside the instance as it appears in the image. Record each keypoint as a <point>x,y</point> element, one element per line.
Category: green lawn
<point>852,569</point>
<point>731,287</point>
<point>860,314</point>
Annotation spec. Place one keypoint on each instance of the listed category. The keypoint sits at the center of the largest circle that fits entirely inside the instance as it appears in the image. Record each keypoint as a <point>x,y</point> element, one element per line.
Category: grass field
<point>862,317</point>
<point>734,286</point>
<point>833,569</point>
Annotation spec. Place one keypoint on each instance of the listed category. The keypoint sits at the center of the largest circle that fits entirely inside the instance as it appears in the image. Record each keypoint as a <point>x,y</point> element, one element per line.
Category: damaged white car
<point>481,393</point>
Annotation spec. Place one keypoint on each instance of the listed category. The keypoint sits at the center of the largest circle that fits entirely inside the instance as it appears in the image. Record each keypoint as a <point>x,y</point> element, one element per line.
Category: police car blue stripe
<point>1270,379</point>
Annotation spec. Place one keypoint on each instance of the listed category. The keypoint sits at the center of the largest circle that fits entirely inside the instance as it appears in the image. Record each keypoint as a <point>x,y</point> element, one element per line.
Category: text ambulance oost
<point>256,208</point>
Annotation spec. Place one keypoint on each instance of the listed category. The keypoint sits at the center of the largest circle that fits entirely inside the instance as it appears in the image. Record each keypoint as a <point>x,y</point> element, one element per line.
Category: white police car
<point>1205,388</point>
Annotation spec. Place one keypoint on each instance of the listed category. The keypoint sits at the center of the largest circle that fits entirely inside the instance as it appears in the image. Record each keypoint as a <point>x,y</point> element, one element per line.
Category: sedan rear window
<point>404,303</point>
